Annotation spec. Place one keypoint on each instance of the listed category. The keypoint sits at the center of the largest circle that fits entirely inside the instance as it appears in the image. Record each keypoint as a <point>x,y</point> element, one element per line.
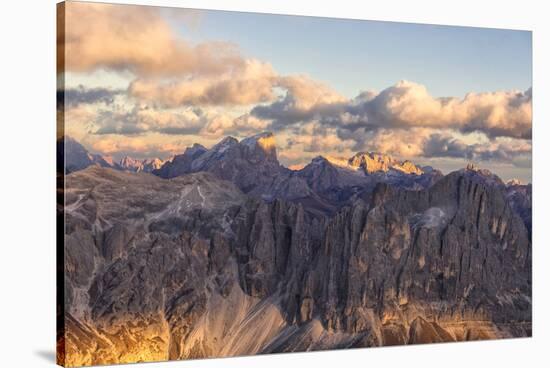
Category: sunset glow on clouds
<point>136,84</point>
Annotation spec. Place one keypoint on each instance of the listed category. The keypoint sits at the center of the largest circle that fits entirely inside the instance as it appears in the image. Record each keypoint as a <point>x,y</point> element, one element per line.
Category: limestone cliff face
<point>453,253</point>
<point>372,162</point>
<point>192,267</point>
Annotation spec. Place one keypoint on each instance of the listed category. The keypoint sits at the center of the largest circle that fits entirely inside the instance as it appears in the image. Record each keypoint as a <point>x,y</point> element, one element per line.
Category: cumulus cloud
<point>137,39</point>
<point>501,149</point>
<point>442,143</point>
<point>144,119</point>
<point>304,100</point>
<point>210,90</point>
<point>138,147</point>
<point>319,139</point>
<point>305,93</point>
<point>78,121</point>
<point>504,113</point>
<point>241,126</point>
<point>408,104</point>
<point>72,97</point>
<point>420,144</point>
<point>253,83</point>
<point>169,70</point>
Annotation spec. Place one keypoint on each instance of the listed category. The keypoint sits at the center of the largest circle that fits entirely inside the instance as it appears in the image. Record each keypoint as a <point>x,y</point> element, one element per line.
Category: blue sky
<point>354,55</point>
<point>167,78</point>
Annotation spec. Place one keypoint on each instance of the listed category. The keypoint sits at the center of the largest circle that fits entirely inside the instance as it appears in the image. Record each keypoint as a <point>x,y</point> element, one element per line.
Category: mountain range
<point>225,252</point>
<point>323,186</point>
<point>77,157</point>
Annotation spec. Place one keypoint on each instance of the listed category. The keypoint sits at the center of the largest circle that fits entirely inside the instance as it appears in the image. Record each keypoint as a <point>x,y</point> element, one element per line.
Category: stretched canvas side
<point>60,187</point>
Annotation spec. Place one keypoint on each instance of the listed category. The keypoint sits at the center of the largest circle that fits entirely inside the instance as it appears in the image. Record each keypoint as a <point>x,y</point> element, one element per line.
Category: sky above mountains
<point>148,82</point>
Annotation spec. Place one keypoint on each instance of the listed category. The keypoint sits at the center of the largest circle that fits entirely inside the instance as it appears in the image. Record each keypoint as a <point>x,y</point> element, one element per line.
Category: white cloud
<point>253,83</point>
<point>210,90</point>
<point>408,104</point>
<point>136,39</point>
<point>503,113</point>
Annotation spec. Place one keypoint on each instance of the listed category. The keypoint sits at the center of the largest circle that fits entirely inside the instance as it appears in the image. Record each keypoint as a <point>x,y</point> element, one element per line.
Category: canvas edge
<point>60,184</point>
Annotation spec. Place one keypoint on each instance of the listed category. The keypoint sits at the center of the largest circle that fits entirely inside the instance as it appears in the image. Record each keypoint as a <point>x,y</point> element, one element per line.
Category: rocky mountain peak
<point>195,149</point>
<point>372,162</point>
<point>471,167</point>
<point>76,157</point>
<point>408,167</point>
<point>262,145</point>
<point>320,160</point>
<point>337,161</point>
<point>513,182</point>
<point>225,144</point>
<point>260,138</point>
<point>110,160</point>
<point>153,163</point>
<point>129,162</point>
<point>482,175</point>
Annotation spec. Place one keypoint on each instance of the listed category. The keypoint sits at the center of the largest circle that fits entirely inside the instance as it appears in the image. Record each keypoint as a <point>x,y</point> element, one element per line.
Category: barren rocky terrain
<point>224,252</point>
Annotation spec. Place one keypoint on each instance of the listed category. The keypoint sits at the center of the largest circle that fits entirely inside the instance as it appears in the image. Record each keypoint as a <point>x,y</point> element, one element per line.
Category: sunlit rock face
<point>131,164</point>
<point>261,147</point>
<point>194,267</point>
<point>372,162</point>
<point>251,164</point>
<point>428,254</point>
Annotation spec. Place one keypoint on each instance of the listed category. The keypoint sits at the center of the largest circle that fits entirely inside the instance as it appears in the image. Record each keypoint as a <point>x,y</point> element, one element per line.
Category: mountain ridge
<point>323,186</point>
<point>370,162</point>
<point>76,157</point>
<point>193,267</point>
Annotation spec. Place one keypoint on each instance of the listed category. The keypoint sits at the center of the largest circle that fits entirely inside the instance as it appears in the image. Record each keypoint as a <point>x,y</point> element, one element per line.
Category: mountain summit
<point>261,146</point>
<point>372,162</point>
<point>147,165</point>
<point>250,163</point>
<point>322,187</point>
<point>76,157</point>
